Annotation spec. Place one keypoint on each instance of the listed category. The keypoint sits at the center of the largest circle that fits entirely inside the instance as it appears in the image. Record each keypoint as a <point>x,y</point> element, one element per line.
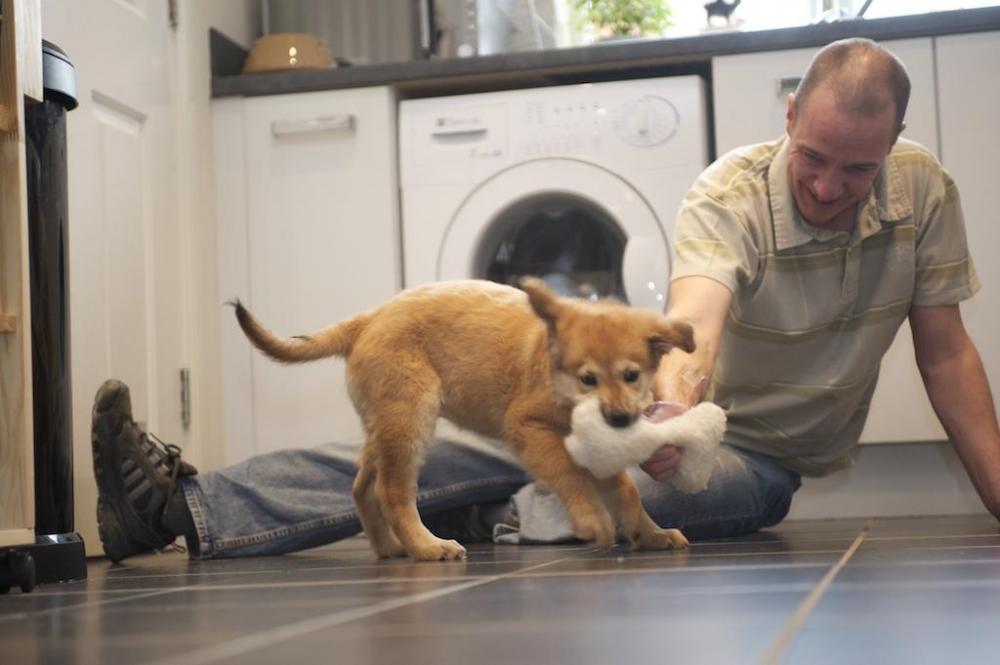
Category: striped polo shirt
<point>814,309</point>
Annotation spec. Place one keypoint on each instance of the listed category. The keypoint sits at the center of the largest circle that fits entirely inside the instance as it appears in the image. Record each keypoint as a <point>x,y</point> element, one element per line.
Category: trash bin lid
<point>58,76</point>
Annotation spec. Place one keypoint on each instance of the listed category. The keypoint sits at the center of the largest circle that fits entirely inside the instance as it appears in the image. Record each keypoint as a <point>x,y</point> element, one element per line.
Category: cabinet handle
<point>788,84</point>
<point>325,123</point>
<point>459,132</point>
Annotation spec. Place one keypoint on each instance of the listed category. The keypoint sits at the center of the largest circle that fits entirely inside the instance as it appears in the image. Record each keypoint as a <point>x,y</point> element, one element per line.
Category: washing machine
<point>577,184</point>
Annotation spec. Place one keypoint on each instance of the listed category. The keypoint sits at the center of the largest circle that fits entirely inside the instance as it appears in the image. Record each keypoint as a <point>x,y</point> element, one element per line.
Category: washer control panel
<point>623,125</point>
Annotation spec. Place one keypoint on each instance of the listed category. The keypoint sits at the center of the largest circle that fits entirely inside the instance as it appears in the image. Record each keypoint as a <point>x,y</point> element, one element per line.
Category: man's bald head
<point>863,76</point>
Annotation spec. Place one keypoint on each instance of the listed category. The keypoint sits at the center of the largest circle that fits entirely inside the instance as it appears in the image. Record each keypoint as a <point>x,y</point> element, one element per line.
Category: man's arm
<point>704,303</point>
<point>683,377</point>
<point>960,394</point>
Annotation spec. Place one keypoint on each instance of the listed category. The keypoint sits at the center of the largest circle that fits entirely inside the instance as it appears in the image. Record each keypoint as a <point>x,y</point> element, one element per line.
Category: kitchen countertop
<point>614,59</point>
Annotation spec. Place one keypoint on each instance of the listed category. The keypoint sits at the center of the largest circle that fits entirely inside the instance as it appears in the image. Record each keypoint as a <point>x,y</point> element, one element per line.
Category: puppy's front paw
<point>660,539</point>
<point>439,550</point>
<point>597,529</point>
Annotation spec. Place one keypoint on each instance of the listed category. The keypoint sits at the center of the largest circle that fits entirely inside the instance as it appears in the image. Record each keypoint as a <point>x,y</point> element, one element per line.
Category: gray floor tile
<point>917,590</point>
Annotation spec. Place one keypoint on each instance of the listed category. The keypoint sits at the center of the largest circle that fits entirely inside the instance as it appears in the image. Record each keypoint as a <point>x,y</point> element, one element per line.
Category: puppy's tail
<point>335,340</point>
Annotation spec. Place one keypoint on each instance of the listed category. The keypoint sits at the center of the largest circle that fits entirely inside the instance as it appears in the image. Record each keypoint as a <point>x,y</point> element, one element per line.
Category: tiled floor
<point>880,591</point>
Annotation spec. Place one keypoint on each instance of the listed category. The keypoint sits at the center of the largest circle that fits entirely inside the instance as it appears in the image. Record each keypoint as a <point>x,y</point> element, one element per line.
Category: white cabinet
<point>308,235</point>
<point>968,103</point>
<point>750,94</point>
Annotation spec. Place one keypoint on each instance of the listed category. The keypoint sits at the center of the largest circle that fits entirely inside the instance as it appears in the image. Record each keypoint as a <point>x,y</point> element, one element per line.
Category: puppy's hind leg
<point>380,536</point>
<point>402,428</point>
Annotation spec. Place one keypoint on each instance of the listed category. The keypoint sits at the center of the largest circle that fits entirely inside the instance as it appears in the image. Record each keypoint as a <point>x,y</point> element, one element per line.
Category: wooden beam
<point>7,119</point>
<point>29,47</point>
<point>20,73</point>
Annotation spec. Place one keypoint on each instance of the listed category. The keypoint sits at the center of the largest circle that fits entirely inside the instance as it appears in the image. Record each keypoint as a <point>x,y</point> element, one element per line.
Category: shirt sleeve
<point>945,274</point>
<point>711,240</point>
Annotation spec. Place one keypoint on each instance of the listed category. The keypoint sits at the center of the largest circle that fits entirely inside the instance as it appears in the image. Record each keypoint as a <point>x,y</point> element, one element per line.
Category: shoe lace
<point>173,461</point>
<point>173,453</point>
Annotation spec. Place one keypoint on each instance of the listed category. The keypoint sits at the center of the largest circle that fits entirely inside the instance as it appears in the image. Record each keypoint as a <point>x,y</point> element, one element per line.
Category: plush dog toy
<point>606,450</point>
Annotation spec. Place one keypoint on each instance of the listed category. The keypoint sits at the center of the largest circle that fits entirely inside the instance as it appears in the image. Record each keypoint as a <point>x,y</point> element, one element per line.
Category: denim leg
<point>746,492</point>
<point>296,499</point>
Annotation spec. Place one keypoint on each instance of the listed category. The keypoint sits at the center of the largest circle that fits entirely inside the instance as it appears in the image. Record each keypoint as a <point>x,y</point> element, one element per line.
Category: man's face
<point>834,157</point>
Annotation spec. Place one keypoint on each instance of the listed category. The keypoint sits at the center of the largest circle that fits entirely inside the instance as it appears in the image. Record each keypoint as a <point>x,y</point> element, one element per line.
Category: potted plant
<point>624,18</point>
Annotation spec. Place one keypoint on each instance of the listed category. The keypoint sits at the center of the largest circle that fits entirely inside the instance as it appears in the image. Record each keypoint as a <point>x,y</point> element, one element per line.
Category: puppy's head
<point>605,349</point>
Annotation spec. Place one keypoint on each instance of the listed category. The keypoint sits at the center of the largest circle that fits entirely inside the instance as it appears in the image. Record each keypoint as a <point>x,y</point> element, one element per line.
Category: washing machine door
<point>580,227</point>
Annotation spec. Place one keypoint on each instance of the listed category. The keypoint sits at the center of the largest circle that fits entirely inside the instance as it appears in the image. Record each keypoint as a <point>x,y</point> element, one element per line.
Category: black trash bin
<point>58,552</point>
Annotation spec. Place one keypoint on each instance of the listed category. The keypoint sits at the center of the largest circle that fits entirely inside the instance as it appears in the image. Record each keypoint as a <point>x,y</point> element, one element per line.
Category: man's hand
<point>664,463</point>
<point>681,377</point>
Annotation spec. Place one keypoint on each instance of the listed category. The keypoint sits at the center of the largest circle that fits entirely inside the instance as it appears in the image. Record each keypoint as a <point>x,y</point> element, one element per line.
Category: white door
<point>320,243</point>
<point>967,67</point>
<point>124,252</point>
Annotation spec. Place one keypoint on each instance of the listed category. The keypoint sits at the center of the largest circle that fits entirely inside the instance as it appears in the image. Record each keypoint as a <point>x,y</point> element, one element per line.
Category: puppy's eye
<point>631,375</point>
<point>588,379</point>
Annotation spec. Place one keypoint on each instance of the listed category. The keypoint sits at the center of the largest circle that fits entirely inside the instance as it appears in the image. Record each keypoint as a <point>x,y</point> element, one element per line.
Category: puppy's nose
<point>618,419</point>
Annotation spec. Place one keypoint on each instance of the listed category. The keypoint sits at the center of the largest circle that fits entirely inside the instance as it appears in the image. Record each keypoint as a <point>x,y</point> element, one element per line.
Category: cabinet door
<point>322,240</point>
<point>750,102</point>
<point>969,92</point>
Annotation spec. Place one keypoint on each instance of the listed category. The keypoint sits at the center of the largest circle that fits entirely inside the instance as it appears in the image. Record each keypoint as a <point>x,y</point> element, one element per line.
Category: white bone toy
<point>605,450</point>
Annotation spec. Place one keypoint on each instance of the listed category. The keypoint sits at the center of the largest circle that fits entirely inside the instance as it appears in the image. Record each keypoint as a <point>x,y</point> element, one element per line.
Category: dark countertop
<point>617,59</point>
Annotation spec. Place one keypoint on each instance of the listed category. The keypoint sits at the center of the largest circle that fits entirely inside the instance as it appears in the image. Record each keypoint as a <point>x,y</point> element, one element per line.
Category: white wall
<point>239,20</point>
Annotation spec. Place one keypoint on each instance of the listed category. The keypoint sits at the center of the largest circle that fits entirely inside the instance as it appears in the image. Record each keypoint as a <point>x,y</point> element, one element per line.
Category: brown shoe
<point>136,474</point>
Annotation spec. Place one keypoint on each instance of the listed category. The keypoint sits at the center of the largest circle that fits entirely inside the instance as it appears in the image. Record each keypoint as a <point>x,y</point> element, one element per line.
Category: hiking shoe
<point>136,474</point>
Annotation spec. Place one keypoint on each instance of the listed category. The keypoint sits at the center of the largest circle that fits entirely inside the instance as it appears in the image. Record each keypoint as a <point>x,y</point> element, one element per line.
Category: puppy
<point>502,362</point>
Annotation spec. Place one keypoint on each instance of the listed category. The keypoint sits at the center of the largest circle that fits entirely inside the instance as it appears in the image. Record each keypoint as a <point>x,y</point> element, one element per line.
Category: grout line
<point>85,605</point>
<point>652,570</point>
<point>801,614</point>
<point>244,645</point>
<point>693,550</point>
<point>520,574</point>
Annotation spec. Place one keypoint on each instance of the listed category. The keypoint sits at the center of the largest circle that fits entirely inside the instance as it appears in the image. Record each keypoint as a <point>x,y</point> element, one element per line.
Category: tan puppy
<point>503,363</point>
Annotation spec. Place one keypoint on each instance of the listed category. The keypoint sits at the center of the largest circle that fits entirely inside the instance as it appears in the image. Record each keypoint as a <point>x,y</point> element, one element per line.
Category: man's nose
<point>827,187</point>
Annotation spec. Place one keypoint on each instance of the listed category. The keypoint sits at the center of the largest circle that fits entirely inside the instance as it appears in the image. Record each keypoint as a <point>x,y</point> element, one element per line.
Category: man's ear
<point>670,333</point>
<point>902,126</point>
<point>544,300</point>
<point>790,113</point>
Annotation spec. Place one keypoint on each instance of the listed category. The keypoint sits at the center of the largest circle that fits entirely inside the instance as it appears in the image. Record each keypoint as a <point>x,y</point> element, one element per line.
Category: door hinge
<point>172,13</point>
<point>186,397</point>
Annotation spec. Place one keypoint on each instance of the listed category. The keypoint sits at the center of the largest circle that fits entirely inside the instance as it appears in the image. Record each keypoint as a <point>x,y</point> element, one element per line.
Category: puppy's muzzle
<point>618,419</point>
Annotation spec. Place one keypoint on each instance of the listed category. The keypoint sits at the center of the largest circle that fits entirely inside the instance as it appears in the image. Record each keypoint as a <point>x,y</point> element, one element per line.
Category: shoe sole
<point>109,528</point>
<point>112,526</point>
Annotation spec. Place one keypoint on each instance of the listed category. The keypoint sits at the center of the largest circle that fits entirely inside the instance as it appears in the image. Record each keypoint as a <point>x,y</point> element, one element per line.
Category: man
<point>797,261</point>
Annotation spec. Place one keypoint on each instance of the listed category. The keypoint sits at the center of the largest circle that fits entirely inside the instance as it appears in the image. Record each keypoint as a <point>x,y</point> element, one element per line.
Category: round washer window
<point>568,241</point>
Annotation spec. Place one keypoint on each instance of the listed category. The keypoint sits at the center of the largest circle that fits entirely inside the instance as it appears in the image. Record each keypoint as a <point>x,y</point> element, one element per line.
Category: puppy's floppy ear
<point>543,299</point>
<point>670,333</point>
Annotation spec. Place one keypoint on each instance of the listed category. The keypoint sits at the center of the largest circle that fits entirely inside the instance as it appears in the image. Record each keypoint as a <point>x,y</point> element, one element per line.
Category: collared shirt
<point>814,309</point>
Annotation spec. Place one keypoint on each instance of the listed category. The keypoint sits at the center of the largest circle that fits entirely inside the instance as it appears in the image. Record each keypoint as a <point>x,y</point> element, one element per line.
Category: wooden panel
<point>16,463</point>
<point>29,47</point>
<point>10,537</point>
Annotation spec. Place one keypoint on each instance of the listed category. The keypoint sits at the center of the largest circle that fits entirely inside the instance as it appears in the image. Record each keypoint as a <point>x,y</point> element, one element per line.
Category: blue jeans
<point>291,500</point>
